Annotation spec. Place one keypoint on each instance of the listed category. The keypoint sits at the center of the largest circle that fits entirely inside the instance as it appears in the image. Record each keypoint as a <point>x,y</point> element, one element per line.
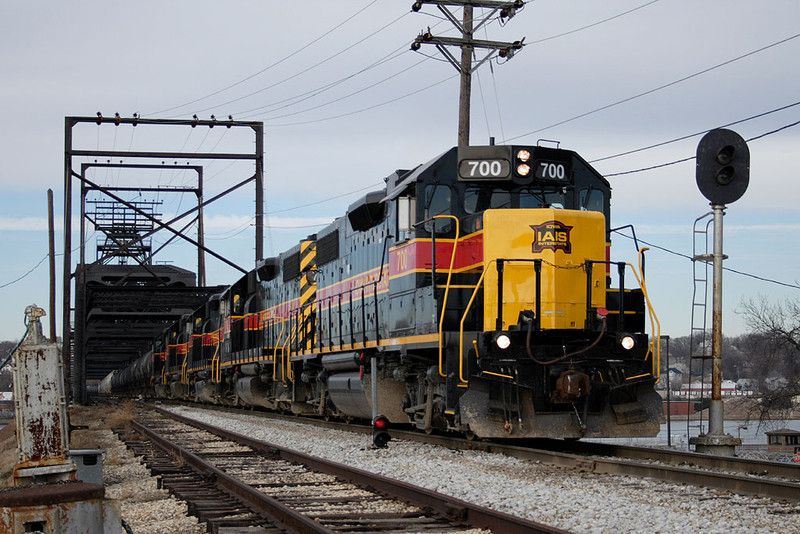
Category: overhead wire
<point>682,160</point>
<point>296,99</point>
<point>373,186</point>
<point>687,257</point>
<point>576,30</point>
<point>696,134</point>
<point>656,89</point>
<point>349,95</point>
<point>368,108</point>
<point>430,86</point>
<point>301,97</point>
<point>304,71</point>
<point>275,64</point>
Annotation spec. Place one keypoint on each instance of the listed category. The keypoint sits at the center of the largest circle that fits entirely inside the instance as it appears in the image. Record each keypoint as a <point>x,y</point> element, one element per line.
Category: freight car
<point>479,284</point>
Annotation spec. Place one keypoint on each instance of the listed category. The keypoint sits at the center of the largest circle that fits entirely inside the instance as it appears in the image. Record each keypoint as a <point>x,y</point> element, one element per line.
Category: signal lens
<point>523,169</point>
<point>380,434</point>
<point>524,155</point>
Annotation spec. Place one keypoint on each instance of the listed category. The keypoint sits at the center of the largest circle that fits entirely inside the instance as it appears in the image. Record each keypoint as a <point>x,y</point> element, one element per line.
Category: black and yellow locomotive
<point>481,286</point>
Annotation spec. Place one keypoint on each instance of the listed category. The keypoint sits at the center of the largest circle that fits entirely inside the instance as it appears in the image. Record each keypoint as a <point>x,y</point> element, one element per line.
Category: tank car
<point>481,286</point>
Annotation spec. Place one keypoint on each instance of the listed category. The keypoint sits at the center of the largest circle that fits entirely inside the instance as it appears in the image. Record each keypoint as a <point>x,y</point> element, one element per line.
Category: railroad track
<point>748,477</point>
<point>232,481</point>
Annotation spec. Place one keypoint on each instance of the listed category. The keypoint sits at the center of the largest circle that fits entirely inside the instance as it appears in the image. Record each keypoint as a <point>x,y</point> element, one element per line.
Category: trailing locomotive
<point>480,284</point>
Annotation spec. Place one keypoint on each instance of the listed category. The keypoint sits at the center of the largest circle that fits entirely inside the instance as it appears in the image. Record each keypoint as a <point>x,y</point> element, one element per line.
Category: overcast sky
<point>345,102</point>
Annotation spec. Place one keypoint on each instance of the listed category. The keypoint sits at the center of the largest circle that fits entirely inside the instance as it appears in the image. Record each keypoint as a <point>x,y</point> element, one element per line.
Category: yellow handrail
<point>478,285</point>
<point>655,343</point>
<point>184,378</point>
<point>216,371</point>
<point>275,350</point>
<point>447,284</point>
<point>287,355</point>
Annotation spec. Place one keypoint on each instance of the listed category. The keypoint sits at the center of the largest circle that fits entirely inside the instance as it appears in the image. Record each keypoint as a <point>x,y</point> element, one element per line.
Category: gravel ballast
<point>564,498</point>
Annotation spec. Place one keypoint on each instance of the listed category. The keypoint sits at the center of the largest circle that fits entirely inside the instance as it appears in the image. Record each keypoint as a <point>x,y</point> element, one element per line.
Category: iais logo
<point>553,235</point>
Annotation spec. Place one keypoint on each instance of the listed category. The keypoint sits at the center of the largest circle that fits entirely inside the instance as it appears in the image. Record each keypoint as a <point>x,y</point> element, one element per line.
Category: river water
<point>750,432</point>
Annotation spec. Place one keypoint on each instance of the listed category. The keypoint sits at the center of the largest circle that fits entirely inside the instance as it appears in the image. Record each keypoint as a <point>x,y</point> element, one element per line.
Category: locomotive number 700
<point>484,169</point>
<point>551,171</point>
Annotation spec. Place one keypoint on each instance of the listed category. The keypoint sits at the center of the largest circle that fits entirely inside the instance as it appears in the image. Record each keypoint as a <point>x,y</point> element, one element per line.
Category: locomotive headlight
<point>524,155</point>
<point>627,342</point>
<point>502,341</point>
<point>523,169</point>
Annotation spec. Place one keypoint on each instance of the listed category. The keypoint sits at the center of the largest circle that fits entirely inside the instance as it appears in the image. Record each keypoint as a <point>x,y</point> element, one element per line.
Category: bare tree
<point>779,321</point>
<point>5,373</point>
<point>774,349</point>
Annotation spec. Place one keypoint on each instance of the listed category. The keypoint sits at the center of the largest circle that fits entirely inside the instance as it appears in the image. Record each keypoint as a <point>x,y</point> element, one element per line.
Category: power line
<point>683,138</point>
<point>302,97</point>
<point>304,71</point>
<point>325,200</point>
<point>576,30</point>
<point>265,69</point>
<point>659,88</point>
<point>296,99</point>
<point>693,157</point>
<point>368,108</point>
<point>735,271</point>
<point>368,87</point>
<point>28,273</point>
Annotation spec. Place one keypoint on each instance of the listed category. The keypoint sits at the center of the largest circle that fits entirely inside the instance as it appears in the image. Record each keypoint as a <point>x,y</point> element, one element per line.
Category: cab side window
<point>437,200</point>
<point>591,200</point>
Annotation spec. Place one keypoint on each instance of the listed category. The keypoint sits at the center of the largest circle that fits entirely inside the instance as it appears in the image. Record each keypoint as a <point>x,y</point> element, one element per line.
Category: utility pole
<point>467,26</point>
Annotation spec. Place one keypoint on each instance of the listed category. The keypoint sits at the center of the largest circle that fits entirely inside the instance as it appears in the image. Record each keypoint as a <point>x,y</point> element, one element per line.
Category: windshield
<point>478,199</point>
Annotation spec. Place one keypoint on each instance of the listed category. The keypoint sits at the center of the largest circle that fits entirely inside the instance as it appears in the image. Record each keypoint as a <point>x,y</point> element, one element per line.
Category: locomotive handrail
<point>275,352</point>
<point>537,267</point>
<point>184,377</point>
<point>478,285</point>
<point>286,351</point>
<point>447,284</point>
<point>216,370</point>
<point>364,334</point>
<point>499,321</point>
<point>655,342</point>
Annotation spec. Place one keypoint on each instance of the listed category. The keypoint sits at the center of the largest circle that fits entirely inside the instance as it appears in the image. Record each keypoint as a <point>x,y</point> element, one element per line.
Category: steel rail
<point>449,507</point>
<point>260,502</point>
<point>789,471</point>
<point>648,463</point>
<point>630,461</point>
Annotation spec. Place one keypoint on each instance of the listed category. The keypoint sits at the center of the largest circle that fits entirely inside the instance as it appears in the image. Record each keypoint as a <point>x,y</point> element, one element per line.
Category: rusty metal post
<point>715,419</point>
<point>716,441</point>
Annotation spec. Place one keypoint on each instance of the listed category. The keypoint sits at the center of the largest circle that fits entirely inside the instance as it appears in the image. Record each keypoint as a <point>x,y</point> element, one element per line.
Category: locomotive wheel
<point>471,436</point>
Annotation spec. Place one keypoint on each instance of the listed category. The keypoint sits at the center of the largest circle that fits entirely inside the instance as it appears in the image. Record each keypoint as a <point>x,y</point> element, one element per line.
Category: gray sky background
<point>345,103</point>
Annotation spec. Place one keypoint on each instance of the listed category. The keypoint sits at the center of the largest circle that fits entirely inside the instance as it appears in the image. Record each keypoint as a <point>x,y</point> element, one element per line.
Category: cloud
<point>36,224</point>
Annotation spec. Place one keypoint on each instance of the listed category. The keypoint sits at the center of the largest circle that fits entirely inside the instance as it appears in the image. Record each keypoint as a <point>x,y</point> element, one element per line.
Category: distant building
<point>729,388</point>
<point>783,440</point>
